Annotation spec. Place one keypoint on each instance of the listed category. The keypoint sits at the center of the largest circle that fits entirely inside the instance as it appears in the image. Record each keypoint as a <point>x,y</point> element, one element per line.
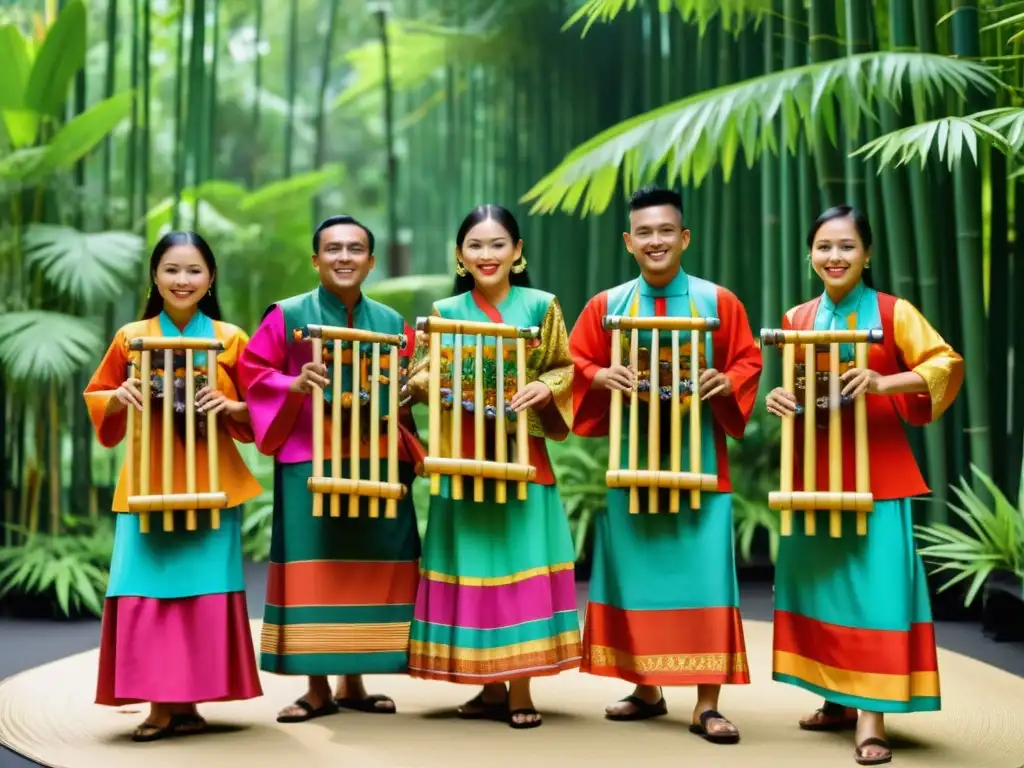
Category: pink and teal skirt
<point>176,651</point>
<point>497,594</point>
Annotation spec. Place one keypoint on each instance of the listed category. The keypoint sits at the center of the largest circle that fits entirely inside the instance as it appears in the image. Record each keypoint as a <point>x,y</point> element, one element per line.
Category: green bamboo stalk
<point>824,46</point>
<point>198,128</point>
<point>727,243</point>
<point>1016,446</point>
<point>210,158</point>
<point>771,306</point>
<point>858,40</point>
<point>109,82</point>
<point>967,205</point>
<point>998,335</point>
<point>320,148</point>
<point>179,118</point>
<point>251,176</point>
<point>291,86</point>
<point>791,264</point>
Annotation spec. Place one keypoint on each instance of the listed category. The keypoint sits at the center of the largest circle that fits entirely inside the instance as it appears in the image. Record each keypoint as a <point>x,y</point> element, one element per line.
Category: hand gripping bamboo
<point>813,344</point>
<point>446,342</point>
<point>351,343</point>
<point>653,478</point>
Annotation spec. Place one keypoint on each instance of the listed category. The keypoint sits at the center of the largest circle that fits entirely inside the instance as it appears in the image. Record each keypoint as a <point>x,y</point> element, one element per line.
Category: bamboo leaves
<point>951,137</point>
<point>734,14</point>
<point>688,137</point>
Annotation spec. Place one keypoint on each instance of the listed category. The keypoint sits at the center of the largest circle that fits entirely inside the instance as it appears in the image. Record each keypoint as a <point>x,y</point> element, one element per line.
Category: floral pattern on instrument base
<point>157,394</point>
<point>490,365</point>
<point>822,378</point>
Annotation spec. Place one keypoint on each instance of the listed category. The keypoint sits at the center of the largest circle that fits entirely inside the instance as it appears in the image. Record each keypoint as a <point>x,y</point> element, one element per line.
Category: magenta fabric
<point>506,605</point>
<point>178,651</point>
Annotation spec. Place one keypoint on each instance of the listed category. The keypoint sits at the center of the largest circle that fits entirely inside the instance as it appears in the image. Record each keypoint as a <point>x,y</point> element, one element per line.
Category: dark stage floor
<point>28,644</point>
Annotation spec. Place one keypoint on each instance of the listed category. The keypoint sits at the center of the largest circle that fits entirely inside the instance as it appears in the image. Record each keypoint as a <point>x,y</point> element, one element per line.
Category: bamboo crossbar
<point>682,323</point>
<point>144,502</point>
<point>456,467</point>
<point>653,478</point>
<point>355,487</point>
<point>835,500</point>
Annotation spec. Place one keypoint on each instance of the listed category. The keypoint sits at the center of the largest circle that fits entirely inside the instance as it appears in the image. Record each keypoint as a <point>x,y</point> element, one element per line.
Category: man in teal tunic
<point>340,590</point>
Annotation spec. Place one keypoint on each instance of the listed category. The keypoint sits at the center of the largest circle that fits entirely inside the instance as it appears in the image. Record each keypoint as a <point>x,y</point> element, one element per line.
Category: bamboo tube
<point>212,445</point>
<point>646,478</point>
<point>340,333</point>
<point>500,435</point>
<point>862,457</point>
<point>394,382</point>
<point>654,419</point>
<point>634,419</point>
<point>354,442</point>
<point>457,363</point>
<point>676,432</point>
<point>777,337</point>
<point>835,440</point>
<point>434,405</point>
<point>810,435</point>
<point>375,425</point>
<point>479,431</point>
<point>522,421</point>
<point>146,437</point>
<point>439,325</point>
<point>167,433</point>
<point>169,502</point>
<point>490,470</point>
<point>683,323</point>
<point>337,391</point>
<point>191,523</point>
<point>834,502</point>
<point>318,429</point>
<point>172,343</point>
<point>345,486</point>
<point>615,415</point>
<point>695,408</point>
<point>786,447</point>
<point>129,455</point>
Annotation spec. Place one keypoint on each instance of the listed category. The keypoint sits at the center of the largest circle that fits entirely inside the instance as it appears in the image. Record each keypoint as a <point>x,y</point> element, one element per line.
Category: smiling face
<point>488,253</point>
<point>657,239</point>
<point>182,277</point>
<point>344,259</point>
<point>838,256</point>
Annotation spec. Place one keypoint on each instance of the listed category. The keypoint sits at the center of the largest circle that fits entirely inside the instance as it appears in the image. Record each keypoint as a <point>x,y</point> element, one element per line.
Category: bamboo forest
<point>250,121</point>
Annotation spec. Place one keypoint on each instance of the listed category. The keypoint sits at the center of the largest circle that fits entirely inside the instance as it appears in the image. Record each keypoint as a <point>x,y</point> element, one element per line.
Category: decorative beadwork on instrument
<point>822,379</point>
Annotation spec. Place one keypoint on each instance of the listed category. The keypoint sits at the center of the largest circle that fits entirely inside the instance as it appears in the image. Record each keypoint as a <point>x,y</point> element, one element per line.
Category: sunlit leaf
<point>85,131</point>
<point>87,267</point>
<point>61,56</point>
<point>734,14</point>
<point>689,137</point>
<point>38,346</point>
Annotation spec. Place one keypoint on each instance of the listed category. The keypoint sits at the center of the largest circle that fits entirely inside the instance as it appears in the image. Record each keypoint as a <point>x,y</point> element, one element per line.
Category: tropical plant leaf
<point>88,267</point>
<point>21,163</point>
<point>950,137</point>
<point>734,14</point>
<point>38,346</point>
<point>16,66</point>
<point>61,56</point>
<point>85,131</point>
<point>286,195</point>
<point>688,137</point>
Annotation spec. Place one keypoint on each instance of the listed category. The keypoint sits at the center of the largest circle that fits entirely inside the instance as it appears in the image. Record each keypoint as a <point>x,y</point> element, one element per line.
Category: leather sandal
<point>713,737</point>
<point>874,741</point>
<point>642,710</point>
<point>832,718</point>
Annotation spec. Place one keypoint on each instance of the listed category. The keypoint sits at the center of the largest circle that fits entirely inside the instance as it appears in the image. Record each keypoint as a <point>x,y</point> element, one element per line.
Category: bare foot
<point>649,694</point>
<point>872,747</point>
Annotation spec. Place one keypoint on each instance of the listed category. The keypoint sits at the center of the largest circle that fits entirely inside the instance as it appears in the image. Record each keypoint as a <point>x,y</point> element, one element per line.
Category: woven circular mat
<point>47,715</point>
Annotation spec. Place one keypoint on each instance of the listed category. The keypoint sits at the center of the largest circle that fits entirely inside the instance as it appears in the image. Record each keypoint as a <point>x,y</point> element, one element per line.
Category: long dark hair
<point>504,217</point>
<point>860,223</point>
<point>208,304</point>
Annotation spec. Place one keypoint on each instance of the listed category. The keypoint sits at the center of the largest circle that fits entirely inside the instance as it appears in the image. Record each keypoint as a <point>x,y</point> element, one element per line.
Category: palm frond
<point>39,346</point>
<point>735,14</point>
<point>952,138</point>
<point>89,267</point>
<point>687,138</point>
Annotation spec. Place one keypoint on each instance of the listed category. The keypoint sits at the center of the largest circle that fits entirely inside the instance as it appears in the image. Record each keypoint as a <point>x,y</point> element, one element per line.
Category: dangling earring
<point>867,265</point>
<point>520,266</point>
<point>459,269</point>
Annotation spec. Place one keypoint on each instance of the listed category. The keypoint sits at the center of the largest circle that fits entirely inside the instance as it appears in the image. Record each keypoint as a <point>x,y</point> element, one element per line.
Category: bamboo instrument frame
<point>835,500</point>
<point>653,478</point>
<point>167,501</point>
<point>500,470</point>
<point>355,486</point>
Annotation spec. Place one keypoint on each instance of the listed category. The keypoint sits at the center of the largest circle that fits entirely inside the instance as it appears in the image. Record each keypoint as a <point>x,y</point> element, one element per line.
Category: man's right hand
<point>617,377</point>
<point>313,376</point>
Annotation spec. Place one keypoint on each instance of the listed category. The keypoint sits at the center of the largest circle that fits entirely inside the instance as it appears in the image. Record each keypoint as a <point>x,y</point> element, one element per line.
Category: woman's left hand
<point>534,395</point>
<point>215,401</point>
<point>859,381</point>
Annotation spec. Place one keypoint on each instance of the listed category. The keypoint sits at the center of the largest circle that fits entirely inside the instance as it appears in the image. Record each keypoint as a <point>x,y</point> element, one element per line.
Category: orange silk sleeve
<point>109,421</point>
<point>229,382</point>
<point>927,354</point>
<point>738,357</point>
<point>590,349</point>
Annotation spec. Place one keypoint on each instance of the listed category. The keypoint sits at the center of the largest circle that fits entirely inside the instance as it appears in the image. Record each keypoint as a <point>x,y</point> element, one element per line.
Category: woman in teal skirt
<point>496,604</point>
<point>853,622</point>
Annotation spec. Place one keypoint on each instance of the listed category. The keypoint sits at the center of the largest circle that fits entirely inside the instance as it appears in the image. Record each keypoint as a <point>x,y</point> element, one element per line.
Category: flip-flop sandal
<point>478,709</point>
<point>330,708</point>
<point>512,723</point>
<point>836,719</point>
<point>187,725</point>
<point>874,741</point>
<point>714,738</point>
<point>369,704</point>
<point>642,710</point>
<point>150,732</point>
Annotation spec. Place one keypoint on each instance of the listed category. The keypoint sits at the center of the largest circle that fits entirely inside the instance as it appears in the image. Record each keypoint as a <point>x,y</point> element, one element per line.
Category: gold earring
<point>459,269</point>
<point>520,266</point>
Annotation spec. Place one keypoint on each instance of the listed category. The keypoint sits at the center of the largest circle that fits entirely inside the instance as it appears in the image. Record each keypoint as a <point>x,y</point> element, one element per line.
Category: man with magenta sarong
<point>340,590</point>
